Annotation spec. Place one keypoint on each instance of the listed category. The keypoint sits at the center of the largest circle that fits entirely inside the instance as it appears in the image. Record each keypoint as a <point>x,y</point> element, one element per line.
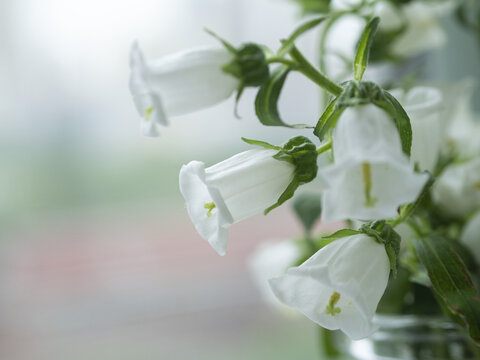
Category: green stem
<point>325,147</point>
<point>313,74</point>
<point>327,344</point>
<point>280,60</point>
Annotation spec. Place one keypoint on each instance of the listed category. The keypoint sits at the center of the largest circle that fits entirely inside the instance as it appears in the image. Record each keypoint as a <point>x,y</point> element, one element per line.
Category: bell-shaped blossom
<point>470,236</point>
<point>371,176</point>
<point>271,259</point>
<point>424,108</point>
<point>340,286</point>
<point>232,190</point>
<point>178,84</point>
<point>424,31</point>
<point>457,190</point>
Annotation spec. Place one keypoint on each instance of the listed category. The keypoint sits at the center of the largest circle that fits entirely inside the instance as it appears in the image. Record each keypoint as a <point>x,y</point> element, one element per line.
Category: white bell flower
<point>178,84</point>
<point>371,176</point>
<point>470,236</point>
<point>457,189</point>
<point>340,286</point>
<point>271,259</point>
<point>424,108</point>
<point>231,191</point>
<point>424,31</point>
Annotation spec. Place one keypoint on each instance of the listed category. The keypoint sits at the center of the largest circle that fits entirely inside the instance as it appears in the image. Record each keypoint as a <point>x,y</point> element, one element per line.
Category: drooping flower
<point>178,84</point>
<point>470,236</point>
<point>340,286</point>
<point>424,108</point>
<point>232,190</point>
<point>423,30</point>
<point>371,176</point>
<point>457,189</point>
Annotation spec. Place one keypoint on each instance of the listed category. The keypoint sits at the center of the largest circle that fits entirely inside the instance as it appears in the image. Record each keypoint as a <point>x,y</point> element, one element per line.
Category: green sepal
<point>361,93</point>
<point>328,120</point>
<point>302,153</point>
<point>263,144</point>
<point>363,48</point>
<point>399,115</point>
<point>308,208</point>
<point>224,42</point>
<point>341,234</point>
<point>267,98</point>
<point>288,43</point>
<point>266,101</point>
<point>386,235</point>
<point>451,280</point>
<point>249,65</point>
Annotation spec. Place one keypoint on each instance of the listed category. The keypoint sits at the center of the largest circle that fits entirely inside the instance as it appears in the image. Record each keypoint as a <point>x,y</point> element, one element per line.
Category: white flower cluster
<point>341,285</point>
<point>372,174</point>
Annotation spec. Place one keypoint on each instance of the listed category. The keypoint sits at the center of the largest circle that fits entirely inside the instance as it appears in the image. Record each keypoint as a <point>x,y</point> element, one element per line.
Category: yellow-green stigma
<point>477,185</point>
<point>148,112</point>
<point>209,206</point>
<point>367,182</point>
<point>330,308</point>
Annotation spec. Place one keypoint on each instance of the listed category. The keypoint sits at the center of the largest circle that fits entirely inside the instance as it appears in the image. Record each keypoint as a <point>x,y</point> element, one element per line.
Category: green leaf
<point>288,43</point>
<point>328,120</point>
<point>308,208</point>
<point>399,115</point>
<point>261,143</point>
<point>267,98</point>
<point>450,280</point>
<point>364,46</point>
<point>314,6</point>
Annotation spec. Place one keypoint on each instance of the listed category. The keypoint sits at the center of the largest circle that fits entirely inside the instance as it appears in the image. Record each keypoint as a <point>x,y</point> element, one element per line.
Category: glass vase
<point>411,337</point>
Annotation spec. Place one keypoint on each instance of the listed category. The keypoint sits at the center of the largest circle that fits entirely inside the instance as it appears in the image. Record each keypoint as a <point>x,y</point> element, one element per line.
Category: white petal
<point>149,104</point>
<point>366,135</point>
<point>191,80</point>
<point>392,184</point>
<point>240,187</point>
<point>457,189</point>
<point>424,31</point>
<point>366,131</point>
<point>197,194</point>
<point>250,181</point>
<point>356,267</point>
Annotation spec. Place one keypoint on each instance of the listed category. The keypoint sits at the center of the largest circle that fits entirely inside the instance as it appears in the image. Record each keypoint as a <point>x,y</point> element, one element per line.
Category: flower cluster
<point>395,157</point>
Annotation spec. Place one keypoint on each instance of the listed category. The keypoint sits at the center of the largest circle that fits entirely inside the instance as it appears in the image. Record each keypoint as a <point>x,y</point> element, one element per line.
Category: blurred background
<point>98,257</point>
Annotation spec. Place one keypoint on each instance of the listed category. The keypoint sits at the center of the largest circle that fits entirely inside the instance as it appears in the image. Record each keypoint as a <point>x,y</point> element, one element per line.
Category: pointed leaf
<point>302,28</point>
<point>450,280</point>
<point>267,98</point>
<point>363,49</point>
<point>328,119</point>
<point>261,143</point>
<point>402,121</point>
